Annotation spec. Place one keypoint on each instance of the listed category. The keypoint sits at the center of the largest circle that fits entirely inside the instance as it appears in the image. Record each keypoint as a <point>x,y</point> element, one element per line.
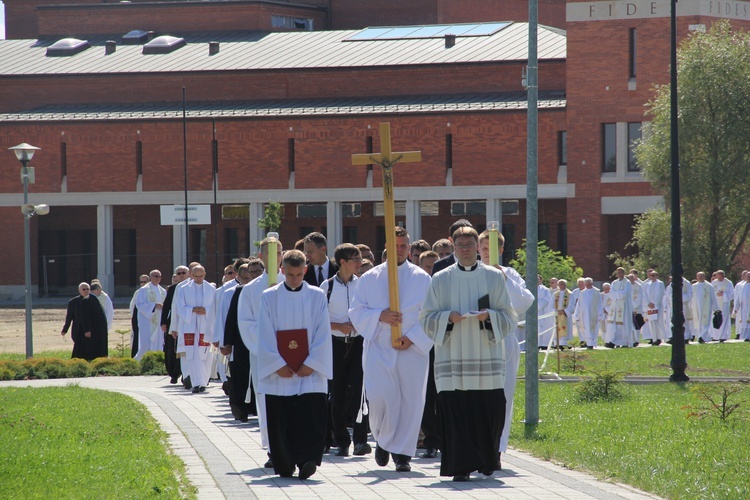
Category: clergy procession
<point>314,346</point>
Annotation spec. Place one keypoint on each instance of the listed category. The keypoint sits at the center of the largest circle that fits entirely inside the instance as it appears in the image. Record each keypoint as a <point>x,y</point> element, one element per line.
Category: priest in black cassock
<point>468,314</point>
<point>94,338</point>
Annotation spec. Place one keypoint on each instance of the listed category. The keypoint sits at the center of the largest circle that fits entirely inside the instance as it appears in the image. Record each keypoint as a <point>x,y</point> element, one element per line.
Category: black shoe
<point>173,380</point>
<point>687,342</point>
<point>669,341</point>
<point>342,451</point>
<point>226,388</point>
<point>737,337</point>
<point>747,340</point>
<point>635,344</point>
<point>488,471</point>
<point>402,464</point>
<point>609,345</point>
<point>721,341</point>
<point>589,347</point>
<point>307,469</point>
<point>362,449</point>
<point>381,456</point>
<point>650,342</point>
<point>701,341</point>
<point>202,388</point>
<point>658,342</point>
<point>583,344</point>
<point>430,453</point>
<point>186,383</point>
<point>195,390</point>
<point>269,464</point>
<point>461,478</point>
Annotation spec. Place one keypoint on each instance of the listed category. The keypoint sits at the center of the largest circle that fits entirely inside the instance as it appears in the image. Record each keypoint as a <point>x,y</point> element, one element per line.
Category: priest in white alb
<point>395,376</point>
<point>620,317</point>
<point>295,395</point>
<point>521,299</point>
<point>468,314</point>
<point>149,301</point>
<point>704,304</point>
<point>653,309</point>
<point>742,307</point>
<point>724,296</point>
<point>589,312</point>
<point>194,302</point>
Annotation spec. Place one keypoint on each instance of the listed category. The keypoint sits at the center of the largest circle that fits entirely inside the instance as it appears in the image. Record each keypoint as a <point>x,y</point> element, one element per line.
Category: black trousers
<point>430,420</point>
<point>296,430</point>
<point>171,363</point>
<point>239,371</point>
<point>346,390</point>
<point>472,422</point>
<point>134,327</point>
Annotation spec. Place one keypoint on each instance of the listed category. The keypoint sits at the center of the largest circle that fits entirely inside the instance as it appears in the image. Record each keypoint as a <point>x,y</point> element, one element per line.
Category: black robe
<point>93,320</point>
<point>73,319</point>
<point>239,366</point>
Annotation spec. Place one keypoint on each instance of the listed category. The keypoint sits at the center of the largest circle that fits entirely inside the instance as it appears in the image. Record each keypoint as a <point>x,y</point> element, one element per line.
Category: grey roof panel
<point>278,50</point>
<point>350,106</point>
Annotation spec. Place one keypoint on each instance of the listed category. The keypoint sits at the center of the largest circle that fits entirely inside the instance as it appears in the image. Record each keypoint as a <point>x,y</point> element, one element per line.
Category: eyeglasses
<point>181,272</point>
<point>156,275</point>
<point>85,289</point>
<point>230,273</point>
<point>355,259</point>
<point>143,282</point>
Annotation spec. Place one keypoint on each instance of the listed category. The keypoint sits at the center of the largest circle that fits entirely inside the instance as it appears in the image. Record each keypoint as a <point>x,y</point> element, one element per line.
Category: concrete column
<point>335,225</point>
<point>257,233</point>
<point>178,246</point>
<point>414,219</point>
<point>105,258</point>
<point>495,210</point>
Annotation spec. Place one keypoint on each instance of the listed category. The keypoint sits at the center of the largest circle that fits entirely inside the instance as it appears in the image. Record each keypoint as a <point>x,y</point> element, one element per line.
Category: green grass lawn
<point>713,359</point>
<point>62,354</point>
<point>646,441</point>
<point>72,442</point>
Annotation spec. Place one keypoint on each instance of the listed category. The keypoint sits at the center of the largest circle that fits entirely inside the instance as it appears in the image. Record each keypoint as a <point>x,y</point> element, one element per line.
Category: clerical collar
<point>293,289</point>
<point>468,269</point>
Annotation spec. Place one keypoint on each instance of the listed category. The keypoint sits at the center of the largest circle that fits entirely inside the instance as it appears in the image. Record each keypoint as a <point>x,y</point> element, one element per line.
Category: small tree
<point>271,220</point>
<point>551,263</point>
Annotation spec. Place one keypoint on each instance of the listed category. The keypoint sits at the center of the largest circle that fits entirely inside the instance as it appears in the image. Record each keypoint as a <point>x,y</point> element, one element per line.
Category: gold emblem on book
<point>293,344</point>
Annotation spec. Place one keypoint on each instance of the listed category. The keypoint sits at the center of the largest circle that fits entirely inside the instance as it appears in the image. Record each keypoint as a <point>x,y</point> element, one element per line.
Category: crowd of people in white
<point>629,311</point>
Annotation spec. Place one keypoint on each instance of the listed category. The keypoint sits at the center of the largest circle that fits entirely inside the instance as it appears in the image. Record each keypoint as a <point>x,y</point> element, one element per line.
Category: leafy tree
<point>714,126</point>
<point>271,220</point>
<point>550,264</point>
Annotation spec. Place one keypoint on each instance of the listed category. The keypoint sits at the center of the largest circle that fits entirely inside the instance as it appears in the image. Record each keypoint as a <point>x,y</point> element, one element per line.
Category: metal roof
<point>270,109</point>
<point>278,51</point>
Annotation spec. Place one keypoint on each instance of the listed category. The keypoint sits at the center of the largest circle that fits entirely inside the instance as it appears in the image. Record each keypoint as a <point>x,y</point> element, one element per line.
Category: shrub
<point>78,368</point>
<point>152,363</point>
<point>46,367</point>
<point>603,386</point>
<point>16,368</point>
<point>107,366</point>
<point>6,374</point>
<point>129,367</point>
<point>723,405</point>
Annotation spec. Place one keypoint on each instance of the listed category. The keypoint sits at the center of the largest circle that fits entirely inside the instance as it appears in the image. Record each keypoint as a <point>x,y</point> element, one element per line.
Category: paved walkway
<point>224,458</point>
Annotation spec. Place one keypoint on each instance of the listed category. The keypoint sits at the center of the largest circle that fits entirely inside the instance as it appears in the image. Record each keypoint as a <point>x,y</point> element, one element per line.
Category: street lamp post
<point>24,152</point>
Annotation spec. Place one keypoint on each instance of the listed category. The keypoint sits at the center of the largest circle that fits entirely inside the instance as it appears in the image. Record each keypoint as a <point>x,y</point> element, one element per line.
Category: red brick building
<point>280,94</point>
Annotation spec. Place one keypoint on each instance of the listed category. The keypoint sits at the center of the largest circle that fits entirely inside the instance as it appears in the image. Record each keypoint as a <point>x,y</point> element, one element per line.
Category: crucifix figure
<point>386,159</point>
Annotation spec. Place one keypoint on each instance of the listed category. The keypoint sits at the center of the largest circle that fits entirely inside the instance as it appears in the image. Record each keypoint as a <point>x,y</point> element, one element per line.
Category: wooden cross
<point>386,159</point>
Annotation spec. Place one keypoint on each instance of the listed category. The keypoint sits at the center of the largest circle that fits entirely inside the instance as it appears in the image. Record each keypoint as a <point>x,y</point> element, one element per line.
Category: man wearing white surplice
<point>589,312</point>
<point>635,302</point>
<point>546,305</point>
<point>395,377</point>
<point>295,395</point>
<point>687,309</point>
<point>651,302</point>
<point>620,318</point>
<point>724,296</point>
<point>571,309</point>
<point>248,314</point>
<point>194,302</point>
<point>704,304</point>
<point>149,301</point>
<point>470,358</point>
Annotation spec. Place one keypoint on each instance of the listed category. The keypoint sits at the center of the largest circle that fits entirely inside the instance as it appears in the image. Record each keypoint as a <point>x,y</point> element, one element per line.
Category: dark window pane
<point>634,135</point>
<point>609,147</point>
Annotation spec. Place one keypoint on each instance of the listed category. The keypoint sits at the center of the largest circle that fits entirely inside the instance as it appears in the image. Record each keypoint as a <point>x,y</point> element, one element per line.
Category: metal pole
<point>27,260</point>
<point>184,161</point>
<point>532,219</point>
<point>215,177</point>
<point>679,362</point>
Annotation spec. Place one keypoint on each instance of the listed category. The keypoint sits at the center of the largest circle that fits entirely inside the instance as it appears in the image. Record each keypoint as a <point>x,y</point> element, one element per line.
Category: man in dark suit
<point>73,317</point>
<point>319,267</point>
<point>430,426</point>
<point>170,357</point>
<point>448,261</point>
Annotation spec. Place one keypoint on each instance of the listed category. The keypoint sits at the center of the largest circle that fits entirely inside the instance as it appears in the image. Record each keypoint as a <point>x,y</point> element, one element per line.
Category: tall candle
<point>273,261</point>
<point>494,228</point>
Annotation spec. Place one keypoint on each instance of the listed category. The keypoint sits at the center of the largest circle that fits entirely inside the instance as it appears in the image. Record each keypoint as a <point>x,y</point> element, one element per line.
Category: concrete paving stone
<point>224,459</point>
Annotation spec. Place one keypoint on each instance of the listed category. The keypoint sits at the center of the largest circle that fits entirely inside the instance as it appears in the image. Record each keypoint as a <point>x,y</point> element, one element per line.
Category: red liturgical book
<point>293,346</point>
